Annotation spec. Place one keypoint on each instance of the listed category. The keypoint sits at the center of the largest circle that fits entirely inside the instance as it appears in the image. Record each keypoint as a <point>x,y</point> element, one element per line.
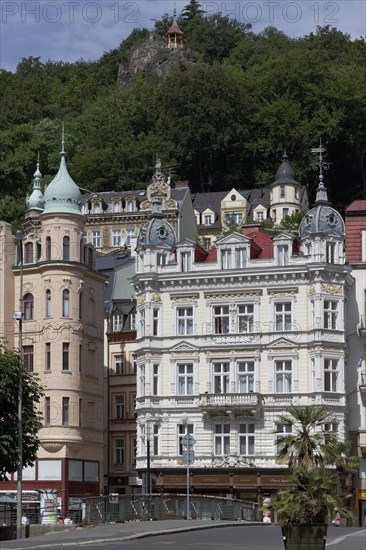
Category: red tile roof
<point>356,206</point>
<point>174,28</point>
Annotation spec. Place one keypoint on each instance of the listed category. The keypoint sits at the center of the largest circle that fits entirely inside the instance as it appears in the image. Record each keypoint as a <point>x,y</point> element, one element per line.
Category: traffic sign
<point>188,441</point>
<point>188,457</point>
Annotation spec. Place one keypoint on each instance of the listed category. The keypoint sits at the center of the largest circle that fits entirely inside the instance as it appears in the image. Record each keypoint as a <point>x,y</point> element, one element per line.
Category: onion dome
<point>322,218</point>
<point>285,173</point>
<point>174,28</point>
<point>36,200</point>
<point>62,195</point>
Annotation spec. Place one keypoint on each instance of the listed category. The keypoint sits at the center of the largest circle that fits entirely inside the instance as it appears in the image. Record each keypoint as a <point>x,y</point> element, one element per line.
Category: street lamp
<point>187,442</point>
<point>18,315</point>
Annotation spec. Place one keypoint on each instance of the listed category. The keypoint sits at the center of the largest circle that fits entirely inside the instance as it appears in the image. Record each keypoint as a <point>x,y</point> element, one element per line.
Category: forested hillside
<point>221,122</point>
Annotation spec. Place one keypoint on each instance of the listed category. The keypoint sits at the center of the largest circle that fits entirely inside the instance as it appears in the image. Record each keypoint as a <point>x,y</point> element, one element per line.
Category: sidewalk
<point>114,532</point>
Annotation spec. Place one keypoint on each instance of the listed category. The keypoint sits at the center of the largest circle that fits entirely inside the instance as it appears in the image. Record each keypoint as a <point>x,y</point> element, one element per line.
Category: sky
<point>70,30</point>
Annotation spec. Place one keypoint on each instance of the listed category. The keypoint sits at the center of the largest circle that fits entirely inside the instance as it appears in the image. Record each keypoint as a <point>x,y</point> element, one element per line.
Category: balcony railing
<point>230,403</point>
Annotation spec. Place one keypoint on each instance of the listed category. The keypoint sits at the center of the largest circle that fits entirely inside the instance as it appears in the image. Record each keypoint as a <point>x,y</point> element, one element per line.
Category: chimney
<point>356,232</point>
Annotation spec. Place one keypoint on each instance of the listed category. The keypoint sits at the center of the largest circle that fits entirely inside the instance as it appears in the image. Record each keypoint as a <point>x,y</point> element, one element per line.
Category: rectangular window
<point>183,429</point>
<point>185,379</point>
<point>142,380</point>
<point>283,374</point>
<point>65,411</point>
<point>221,376</point>
<point>282,430</point>
<point>156,321</point>
<point>48,356</point>
<point>330,253</point>
<point>80,412</point>
<point>133,451</point>
<point>28,358</point>
<point>116,237</point>
<point>156,379</point>
<point>184,321</point>
<point>246,439</point>
<point>206,243</point>
<point>284,212</point>
<point>119,407</point>
<point>142,323</point>
<point>207,219</point>
<point>246,318</point>
<point>282,192</point>
<point>47,411</point>
<point>130,234</point>
<point>132,405</point>
<point>240,257</point>
<point>330,311</point>
<point>96,239</point>
<point>65,356</point>
<point>118,364</point>
<point>330,431</point>
<point>119,452</point>
<point>117,323</point>
<point>221,319</point>
<point>283,316</point>
<point>226,258</point>
<point>156,439</point>
<point>245,373</point>
<point>237,217</point>
<point>80,358</point>
<point>222,439</point>
<point>282,254</point>
<point>186,261</point>
<point>260,216</point>
<point>330,375</point>
<point>161,259</point>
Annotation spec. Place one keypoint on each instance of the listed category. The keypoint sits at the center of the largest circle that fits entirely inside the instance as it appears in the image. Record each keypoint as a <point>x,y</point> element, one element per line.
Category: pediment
<point>234,192</point>
<point>283,235</point>
<point>183,346</point>
<point>283,343</point>
<point>234,238</point>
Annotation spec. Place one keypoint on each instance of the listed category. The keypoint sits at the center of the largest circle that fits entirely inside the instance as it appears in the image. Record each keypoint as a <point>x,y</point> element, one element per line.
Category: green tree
<point>10,365</point>
<point>191,10</point>
<point>305,445</point>
<point>292,222</point>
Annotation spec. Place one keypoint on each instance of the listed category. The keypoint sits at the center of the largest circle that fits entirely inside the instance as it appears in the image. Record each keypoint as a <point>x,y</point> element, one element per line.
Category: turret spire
<point>321,166</point>
<point>35,200</point>
<point>62,153</point>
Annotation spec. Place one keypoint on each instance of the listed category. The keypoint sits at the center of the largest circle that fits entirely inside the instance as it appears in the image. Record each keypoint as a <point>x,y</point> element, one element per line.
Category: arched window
<point>65,303</point>
<point>116,207</point>
<point>66,248</point>
<point>48,303</point>
<point>28,307</point>
<point>48,248</point>
<point>28,256</point>
<point>130,206</point>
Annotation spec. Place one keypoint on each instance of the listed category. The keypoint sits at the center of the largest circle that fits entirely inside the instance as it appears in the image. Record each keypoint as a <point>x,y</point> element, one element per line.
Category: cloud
<point>69,30</point>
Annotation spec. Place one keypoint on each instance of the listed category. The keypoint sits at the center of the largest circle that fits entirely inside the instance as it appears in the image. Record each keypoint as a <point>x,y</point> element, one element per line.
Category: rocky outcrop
<point>153,56</point>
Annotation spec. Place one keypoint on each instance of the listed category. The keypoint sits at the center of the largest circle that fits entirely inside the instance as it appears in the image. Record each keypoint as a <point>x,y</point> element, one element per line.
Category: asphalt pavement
<point>114,532</point>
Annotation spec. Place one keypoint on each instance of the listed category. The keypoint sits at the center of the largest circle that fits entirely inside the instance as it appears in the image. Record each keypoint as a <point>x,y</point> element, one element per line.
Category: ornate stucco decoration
<point>156,297</point>
<point>312,289</point>
<point>228,461</point>
<point>331,289</point>
<point>141,299</point>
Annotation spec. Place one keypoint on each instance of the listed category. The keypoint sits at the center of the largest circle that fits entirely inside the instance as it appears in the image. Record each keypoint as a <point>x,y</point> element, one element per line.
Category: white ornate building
<point>226,339</point>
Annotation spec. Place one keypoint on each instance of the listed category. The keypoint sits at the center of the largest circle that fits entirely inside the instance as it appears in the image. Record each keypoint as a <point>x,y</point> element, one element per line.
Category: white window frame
<point>186,261</point>
<point>117,322</point>
<point>156,321</point>
<point>245,318</point>
<point>331,374</point>
<point>260,216</point>
<point>330,314</point>
<point>282,254</point>
<point>184,320</point>
<point>119,363</point>
<point>183,430</point>
<point>221,318</point>
<point>207,219</point>
<point>284,373</point>
<point>116,237</point>
<point>226,255</point>
<point>282,191</point>
<point>221,377</point>
<point>221,439</point>
<point>245,373</point>
<point>241,254</point>
<point>96,239</point>
<point>130,234</point>
<point>156,378</point>
<point>246,439</point>
<point>185,378</point>
<point>281,321</point>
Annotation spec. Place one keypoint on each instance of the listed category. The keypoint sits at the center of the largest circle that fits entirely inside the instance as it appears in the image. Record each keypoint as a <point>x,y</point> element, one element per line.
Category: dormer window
<point>186,261</point>
<point>208,219</point>
<point>240,257</point>
<point>330,253</point>
<point>130,206</point>
<point>116,207</point>
<point>226,258</point>
<point>84,209</point>
<point>282,254</point>
<point>260,216</point>
<point>96,208</point>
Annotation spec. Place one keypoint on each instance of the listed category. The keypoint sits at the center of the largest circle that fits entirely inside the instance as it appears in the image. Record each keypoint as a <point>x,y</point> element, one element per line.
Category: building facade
<point>226,339</point>
<point>53,284</point>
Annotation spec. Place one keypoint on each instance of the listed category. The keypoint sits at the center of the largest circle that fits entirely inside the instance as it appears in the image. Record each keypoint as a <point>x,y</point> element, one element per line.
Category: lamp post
<point>188,456</point>
<point>148,462</point>
<point>18,315</point>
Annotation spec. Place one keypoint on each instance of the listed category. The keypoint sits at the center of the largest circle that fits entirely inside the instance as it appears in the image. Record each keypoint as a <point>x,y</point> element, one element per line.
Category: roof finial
<point>321,166</point>
<point>37,176</point>
<point>63,140</point>
<point>284,156</point>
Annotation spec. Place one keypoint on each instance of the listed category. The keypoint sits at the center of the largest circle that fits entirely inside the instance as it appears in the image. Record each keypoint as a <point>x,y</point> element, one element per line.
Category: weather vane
<point>321,165</point>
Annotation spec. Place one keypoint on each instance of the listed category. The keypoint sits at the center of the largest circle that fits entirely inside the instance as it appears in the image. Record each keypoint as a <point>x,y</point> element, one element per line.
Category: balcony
<point>231,404</point>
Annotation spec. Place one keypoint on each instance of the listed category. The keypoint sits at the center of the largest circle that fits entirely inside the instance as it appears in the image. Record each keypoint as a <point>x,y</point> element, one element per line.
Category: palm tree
<point>305,445</point>
<point>340,455</point>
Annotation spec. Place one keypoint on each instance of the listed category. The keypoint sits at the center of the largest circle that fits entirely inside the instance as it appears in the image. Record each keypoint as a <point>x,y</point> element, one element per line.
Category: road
<point>240,537</point>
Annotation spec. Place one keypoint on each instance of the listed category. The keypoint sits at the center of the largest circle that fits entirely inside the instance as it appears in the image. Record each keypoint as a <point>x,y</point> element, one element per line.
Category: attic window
<point>233,197</point>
